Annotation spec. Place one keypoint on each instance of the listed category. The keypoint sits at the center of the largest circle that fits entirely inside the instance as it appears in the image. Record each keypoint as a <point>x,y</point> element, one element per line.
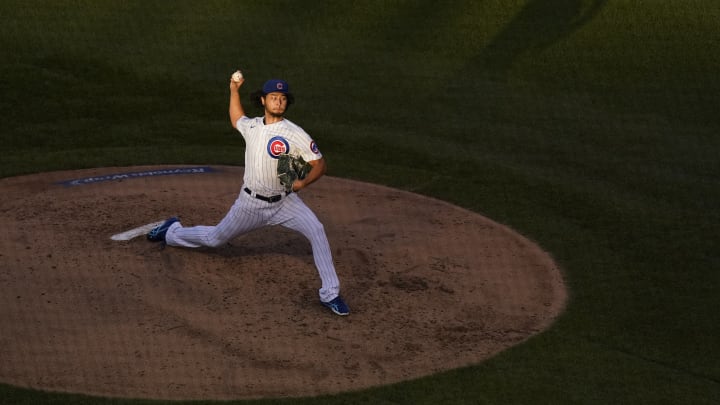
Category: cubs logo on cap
<point>277,146</point>
<point>276,85</point>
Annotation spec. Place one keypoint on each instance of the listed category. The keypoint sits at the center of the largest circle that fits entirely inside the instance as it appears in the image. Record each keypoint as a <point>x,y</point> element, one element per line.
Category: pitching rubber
<point>135,232</point>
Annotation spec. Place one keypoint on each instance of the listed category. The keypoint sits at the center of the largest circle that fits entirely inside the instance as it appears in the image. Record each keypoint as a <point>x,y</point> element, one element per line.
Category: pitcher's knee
<point>214,240</point>
<point>213,243</point>
<point>315,229</point>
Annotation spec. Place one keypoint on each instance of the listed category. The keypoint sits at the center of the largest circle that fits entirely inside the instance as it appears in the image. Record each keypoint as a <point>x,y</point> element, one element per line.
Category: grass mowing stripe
<point>588,125</point>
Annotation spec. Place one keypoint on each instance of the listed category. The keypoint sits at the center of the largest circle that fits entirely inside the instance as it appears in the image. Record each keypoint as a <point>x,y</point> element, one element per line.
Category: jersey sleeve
<point>243,124</point>
<point>307,147</point>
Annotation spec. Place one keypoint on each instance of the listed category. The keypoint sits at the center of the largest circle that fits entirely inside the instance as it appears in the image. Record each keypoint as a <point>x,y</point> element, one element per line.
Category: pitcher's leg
<point>193,237</point>
<point>237,221</point>
<point>303,220</point>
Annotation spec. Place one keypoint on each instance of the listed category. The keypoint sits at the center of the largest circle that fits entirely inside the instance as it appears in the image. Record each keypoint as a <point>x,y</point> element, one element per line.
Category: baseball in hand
<point>237,76</point>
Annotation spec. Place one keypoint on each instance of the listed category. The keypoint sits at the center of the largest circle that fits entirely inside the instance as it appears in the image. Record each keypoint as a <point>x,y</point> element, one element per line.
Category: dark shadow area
<point>540,24</point>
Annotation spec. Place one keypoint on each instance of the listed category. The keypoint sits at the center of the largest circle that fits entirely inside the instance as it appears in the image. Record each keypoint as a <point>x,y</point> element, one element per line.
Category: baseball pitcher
<point>280,160</point>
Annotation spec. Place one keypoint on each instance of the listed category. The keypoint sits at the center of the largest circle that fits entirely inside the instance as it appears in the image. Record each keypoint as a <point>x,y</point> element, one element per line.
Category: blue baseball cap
<point>276,86</point>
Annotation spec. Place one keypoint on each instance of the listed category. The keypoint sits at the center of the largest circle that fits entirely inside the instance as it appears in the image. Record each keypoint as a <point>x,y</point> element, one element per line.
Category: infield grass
<point>589,126</point>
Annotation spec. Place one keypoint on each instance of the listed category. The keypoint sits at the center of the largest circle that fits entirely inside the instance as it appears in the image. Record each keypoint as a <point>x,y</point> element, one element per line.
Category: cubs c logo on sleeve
<point>314,148</point>
<point>277,146</point>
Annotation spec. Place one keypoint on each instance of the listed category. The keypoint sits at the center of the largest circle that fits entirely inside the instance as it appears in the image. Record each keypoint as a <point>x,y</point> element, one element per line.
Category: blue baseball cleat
<point>338,306</point>
<point>157,234</point>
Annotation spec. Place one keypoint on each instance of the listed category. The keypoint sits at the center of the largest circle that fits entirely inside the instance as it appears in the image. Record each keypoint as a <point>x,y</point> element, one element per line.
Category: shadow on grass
<point>540,24</point>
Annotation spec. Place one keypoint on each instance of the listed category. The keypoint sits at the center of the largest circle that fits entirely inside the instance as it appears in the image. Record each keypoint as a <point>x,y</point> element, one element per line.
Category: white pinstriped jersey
<point>264,144</point>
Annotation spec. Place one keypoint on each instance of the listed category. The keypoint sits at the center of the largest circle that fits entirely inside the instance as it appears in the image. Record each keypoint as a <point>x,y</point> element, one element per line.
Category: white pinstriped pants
<point>249,213</point>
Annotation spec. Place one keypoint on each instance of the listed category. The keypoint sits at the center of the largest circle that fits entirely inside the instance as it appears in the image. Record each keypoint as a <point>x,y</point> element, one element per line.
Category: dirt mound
<point>431,287</point>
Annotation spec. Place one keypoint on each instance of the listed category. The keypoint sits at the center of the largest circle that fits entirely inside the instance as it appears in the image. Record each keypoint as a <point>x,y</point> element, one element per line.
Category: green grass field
<point>590,126</point>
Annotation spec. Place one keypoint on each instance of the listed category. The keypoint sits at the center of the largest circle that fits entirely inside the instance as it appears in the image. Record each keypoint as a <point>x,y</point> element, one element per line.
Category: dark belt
<point>271,199</point>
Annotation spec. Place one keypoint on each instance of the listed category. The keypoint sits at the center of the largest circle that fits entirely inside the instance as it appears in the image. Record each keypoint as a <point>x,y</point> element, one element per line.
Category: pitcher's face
<point>275,103</point>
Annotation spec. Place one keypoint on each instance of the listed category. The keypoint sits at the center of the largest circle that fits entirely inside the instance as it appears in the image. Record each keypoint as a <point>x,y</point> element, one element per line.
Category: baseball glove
<point>291,168</point>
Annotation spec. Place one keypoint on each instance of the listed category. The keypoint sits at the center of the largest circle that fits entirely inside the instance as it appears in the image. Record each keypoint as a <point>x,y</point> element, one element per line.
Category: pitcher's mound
<point>431,287</point>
